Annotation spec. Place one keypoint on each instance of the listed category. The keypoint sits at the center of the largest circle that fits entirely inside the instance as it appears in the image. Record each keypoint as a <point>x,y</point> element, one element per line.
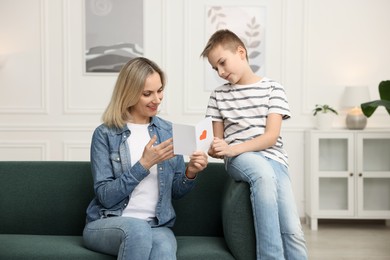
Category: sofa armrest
<point>237,220</point>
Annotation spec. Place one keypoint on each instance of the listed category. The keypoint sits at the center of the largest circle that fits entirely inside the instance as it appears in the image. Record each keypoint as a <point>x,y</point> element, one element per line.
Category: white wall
<point>49,107</point>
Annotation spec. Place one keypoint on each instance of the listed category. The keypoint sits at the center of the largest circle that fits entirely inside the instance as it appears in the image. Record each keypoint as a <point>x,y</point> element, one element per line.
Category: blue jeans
<point>278,229</point>
<point>130,238</point>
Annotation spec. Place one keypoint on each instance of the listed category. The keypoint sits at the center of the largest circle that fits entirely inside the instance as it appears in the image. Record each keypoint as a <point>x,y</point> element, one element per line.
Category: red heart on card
<point>203,135</point>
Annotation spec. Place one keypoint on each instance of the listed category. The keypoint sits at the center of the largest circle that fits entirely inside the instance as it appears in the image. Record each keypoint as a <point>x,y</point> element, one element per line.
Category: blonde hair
<point>128,90</point>
<point>227,39</point>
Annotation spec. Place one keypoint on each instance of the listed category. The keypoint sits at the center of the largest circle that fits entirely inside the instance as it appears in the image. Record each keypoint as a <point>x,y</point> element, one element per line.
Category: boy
<point>247,116</point>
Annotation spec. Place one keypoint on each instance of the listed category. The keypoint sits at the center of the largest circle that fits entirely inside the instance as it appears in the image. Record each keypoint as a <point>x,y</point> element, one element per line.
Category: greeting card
<point>190,138</point>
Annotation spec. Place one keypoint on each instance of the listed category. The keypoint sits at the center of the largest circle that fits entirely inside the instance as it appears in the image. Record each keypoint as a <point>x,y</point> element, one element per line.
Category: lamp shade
<point>354,96</point>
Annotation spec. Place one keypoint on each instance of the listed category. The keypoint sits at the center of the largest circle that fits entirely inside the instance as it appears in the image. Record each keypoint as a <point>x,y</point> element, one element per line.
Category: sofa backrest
<point>51,197</point>
<point>199,212</point>
<point>45,198</point>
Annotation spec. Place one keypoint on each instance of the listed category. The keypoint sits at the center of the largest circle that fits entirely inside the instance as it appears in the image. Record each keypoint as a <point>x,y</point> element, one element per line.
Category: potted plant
<point>324,115</point>
<point>369,108</point>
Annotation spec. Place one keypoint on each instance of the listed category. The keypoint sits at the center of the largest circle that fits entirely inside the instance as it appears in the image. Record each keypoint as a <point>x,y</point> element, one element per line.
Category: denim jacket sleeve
<point>107,158</point>
<point>181,184</point>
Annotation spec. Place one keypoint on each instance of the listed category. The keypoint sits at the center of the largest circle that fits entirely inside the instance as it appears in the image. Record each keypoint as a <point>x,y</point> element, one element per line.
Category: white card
<point>188,138</point>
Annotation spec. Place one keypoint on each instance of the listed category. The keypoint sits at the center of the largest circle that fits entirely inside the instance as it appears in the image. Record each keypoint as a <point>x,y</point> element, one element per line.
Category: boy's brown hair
<point>227,39</point>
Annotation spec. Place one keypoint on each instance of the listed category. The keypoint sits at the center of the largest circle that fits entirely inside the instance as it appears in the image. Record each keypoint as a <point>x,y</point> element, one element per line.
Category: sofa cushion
<point>238,225</point>
<point>41,247</point>
<point>201,247</point>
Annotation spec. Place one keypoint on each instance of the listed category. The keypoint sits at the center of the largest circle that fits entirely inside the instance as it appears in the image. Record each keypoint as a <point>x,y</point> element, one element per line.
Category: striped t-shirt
<point>243,109</point>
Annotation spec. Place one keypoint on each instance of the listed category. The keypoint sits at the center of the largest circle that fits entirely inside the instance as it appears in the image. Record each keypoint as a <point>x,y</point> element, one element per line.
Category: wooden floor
<point>348,240</point>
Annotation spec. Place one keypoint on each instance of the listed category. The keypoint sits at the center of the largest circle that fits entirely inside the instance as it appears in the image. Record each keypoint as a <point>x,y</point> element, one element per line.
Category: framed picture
<point>113,34</point>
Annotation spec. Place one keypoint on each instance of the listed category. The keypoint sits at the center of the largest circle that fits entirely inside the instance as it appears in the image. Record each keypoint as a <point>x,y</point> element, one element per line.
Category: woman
<point>135,173</point>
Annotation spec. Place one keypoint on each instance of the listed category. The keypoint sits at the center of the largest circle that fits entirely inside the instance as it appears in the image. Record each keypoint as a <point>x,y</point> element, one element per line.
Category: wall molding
<point>44,44</point>
<point>70,147</point>
<point>305,58</point>
<point>40,147</point>
<point>68,16</point>
<point>76,81</point>
<point>47,128</point>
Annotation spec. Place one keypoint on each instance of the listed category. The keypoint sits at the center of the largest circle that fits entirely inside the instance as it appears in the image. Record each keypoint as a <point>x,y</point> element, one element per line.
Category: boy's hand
<point>198,162</point>
<point>219,149</point>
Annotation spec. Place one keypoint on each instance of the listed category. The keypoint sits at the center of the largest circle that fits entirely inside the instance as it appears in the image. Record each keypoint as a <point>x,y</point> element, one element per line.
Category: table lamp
<point>353,97</point>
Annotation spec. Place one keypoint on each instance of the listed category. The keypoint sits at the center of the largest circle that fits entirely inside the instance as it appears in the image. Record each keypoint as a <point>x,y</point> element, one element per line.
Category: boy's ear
<point>242,52</point>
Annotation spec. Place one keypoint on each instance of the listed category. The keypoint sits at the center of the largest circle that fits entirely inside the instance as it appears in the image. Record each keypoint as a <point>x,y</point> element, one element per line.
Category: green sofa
<point>43,207</point>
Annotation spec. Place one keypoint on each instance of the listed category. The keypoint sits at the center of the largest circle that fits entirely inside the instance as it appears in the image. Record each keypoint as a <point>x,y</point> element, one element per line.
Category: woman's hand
<point>198,162</point>
<point>154,154</point>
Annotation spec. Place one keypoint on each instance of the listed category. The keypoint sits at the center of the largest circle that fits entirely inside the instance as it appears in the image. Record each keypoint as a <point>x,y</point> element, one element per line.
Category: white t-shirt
<point>143,199</point>
<point>243,109</point>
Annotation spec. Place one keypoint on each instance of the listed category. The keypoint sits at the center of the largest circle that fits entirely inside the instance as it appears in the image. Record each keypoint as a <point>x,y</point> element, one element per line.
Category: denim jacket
<point>115,178</point>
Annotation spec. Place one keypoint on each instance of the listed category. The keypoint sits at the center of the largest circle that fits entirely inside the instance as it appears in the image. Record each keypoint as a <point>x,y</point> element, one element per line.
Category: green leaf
<point>384,90</point>
<point>324,109</point>
<point>369,108</point>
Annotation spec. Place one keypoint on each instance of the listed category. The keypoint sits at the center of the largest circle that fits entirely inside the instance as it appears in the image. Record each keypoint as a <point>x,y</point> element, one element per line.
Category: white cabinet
<point>347,175</point>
